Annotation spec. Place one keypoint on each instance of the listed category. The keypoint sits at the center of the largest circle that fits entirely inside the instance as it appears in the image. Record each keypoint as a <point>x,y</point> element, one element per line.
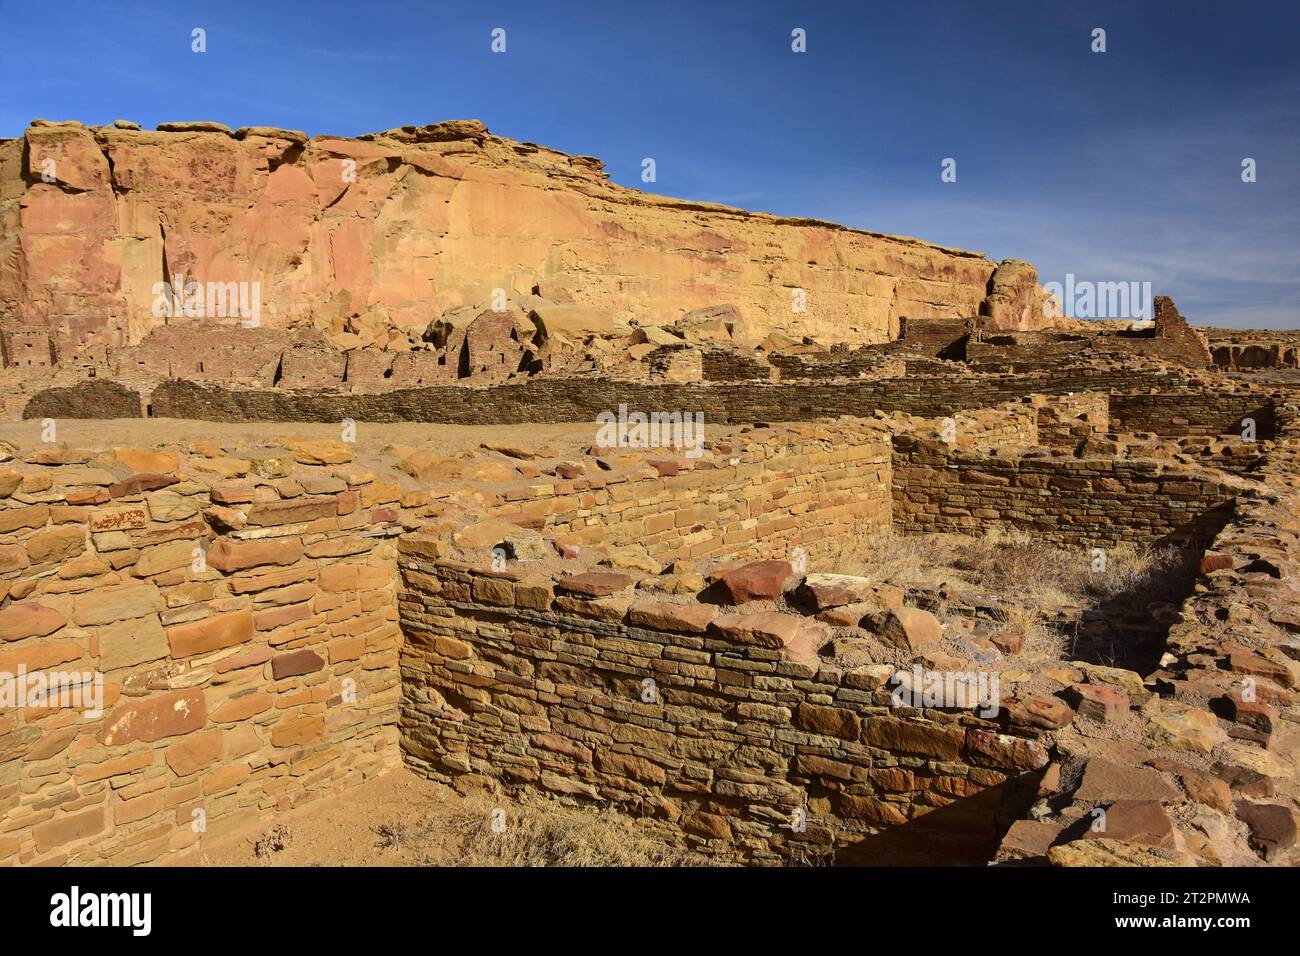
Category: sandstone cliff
<point>357,237</point>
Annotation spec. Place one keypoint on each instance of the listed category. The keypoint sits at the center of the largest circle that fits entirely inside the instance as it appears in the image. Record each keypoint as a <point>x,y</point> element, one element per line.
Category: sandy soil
<point>401,819</point>
<point>95,434</point>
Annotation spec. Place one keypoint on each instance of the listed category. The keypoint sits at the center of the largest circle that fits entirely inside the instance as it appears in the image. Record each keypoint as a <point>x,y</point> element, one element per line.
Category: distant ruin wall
<point>1069,501</point>
<point>1206,410</point>
<point>1183,413</point>
<point>243,671</point>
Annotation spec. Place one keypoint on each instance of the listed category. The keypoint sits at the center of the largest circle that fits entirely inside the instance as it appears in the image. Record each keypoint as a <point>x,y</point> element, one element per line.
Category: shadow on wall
<point>1129,628</point>
<point>966,832</point>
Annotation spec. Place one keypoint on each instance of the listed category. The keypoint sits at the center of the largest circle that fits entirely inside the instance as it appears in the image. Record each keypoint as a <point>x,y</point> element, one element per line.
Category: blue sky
<point>1119,166</point>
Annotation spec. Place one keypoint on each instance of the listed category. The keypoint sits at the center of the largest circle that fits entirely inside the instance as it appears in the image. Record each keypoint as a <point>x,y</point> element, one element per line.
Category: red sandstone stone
<point>1135,821</point>
<point>676,618</point>
<point>710,826</point>
<point>1008,642</point>
<point>757,581</point>
<point>272,618</point>
<point>1272,827</point>
<point>297,730</point>
<point>242,706</point>
<point>765,629</point>
<point>1260,667</point>
<point>910,629</point>
<point>847,615</point>
<point>1212,562</point>
<point>1252,713</point>
<point>830,721</point>
<point>808,641</point>
<point>166,716</point>
<point>1004,752</point>
<point>1103,703</point>
<point>97,497</point>
<point>295,663</point>
<point>1028,840</point>
<point>1105,781</point>
<point>228,555</point>
<point>593,583</point>
<point>909,736</point>
<point>194,752</point>
<point>631,766</point>
<point>138,484</point>
<point>211,633</point>
<point>29,619</point>
<point>1049,713</point>
<point>292,511</point>
<point>823,591</point>
<point>68,827</point>
<point>559,744</point>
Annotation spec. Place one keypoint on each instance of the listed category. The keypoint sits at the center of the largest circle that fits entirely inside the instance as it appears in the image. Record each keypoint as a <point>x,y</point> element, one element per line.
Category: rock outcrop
<point>370,239</point>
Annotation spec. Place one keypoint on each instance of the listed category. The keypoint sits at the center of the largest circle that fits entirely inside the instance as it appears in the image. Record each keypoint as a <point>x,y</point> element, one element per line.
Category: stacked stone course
<point>291,661</point>
<point>761,492</point>
<point>1066,500</point>
<point>733,740</point>
<point>244,626</point>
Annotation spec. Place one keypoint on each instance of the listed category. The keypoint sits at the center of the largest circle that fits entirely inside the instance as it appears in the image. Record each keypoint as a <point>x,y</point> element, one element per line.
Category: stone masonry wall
<point>1062,499</point>
<point>1188,403</point>
<point>761,493</point>
<point>244,626</point>
<point>1065,420</point>
<point>748,747</point>
<point>1205,412</point>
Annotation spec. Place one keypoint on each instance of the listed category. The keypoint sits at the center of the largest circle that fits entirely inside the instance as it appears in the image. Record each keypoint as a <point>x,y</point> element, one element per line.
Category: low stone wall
<point>1181,413</point>
<point>1069,501</point>
<point>1190,404</point>
<point>714,729</point>
<point>244,629</point>
<point>1214,743</point>
<point>759,493</point>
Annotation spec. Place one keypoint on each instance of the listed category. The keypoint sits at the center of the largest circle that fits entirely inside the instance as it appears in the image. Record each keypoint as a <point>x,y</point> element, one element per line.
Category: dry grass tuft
<point>1036,580</point>
<point>1015,563</point>
<point>898,559</point>
<point>544,833</point>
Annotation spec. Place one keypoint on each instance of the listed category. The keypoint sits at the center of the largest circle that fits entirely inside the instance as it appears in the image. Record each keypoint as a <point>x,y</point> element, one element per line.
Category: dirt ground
<point>94,434</point>
<point>401,819</point>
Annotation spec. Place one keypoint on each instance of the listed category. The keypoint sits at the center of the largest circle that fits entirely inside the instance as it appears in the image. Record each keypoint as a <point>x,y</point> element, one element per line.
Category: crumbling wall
<point>1250,349</point>
<point>243,627</point>
<point>1214,741</point>
<point>1066,420</point>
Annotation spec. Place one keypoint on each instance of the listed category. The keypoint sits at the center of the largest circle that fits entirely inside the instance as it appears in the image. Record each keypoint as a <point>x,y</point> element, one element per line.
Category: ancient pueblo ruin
<point>759,540</point>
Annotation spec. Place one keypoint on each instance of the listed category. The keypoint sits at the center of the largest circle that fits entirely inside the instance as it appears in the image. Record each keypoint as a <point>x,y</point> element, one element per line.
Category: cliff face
<point>392,229</point>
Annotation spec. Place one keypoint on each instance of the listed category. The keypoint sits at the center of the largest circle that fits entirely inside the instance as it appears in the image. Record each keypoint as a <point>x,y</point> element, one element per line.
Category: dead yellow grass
<point>906,561</point>
<point>1015,563</point>
<point>1034,578</point>
<point>537,832</point>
